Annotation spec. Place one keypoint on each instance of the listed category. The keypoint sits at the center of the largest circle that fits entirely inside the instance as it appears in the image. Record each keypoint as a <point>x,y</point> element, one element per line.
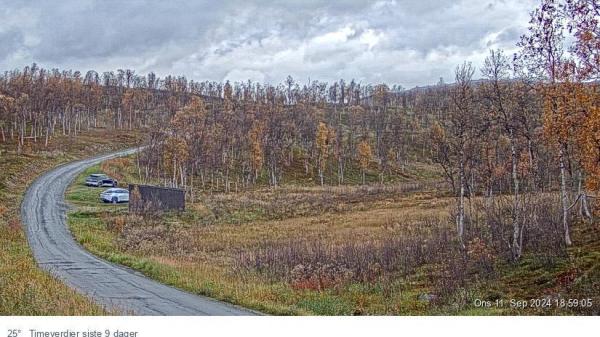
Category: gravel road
<point>117,288</point>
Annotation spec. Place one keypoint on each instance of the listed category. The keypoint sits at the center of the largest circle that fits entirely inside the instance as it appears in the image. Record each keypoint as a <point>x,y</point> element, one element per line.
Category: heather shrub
<point>319,264</point>
<point>541,221</point>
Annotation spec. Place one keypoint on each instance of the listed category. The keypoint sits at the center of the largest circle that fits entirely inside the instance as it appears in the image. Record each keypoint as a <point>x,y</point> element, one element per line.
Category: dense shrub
<point>321,264</point>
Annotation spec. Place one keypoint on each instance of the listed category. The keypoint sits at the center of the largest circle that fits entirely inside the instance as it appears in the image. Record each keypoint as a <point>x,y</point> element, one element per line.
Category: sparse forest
<point>510,150</point>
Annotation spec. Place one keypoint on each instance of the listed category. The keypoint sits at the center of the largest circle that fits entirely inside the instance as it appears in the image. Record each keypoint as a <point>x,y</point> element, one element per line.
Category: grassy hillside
<point>331,251</point>
<point>24,288</point>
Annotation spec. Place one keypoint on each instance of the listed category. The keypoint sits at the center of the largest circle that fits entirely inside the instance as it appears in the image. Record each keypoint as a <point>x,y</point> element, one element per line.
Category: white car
<point>115,195</point>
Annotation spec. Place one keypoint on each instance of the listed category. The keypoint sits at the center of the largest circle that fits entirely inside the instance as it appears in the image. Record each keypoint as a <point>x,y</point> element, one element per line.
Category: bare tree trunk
<point>22,133</point>
<point>34,130</point>
<point>192,191</point>
<point>202,179</point>
<point>273,177</point>
<point>460,221</point>
<point>340,171</point>
<point>563,195</point>
<point>584,210</point>
<point>306,165</point>
<point>516,244</point>
<point>321,175</point>
<point>182,177</point>
<point>137,161</point>
<point>489,197</point>
<point>579,194</point>
<point>174,178</point>
<point>227,180</point>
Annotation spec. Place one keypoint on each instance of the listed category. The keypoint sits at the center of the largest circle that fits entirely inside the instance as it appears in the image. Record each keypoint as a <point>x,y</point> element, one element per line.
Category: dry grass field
<point>383,250</point>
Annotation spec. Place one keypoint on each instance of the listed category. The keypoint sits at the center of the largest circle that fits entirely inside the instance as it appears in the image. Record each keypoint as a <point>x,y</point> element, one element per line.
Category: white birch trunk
<point>563,195</point>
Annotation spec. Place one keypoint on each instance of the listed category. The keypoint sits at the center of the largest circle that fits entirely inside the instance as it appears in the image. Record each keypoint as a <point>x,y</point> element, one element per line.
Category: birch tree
<point>542,53</point>
<point>497,94</point>
<point>461,120</point>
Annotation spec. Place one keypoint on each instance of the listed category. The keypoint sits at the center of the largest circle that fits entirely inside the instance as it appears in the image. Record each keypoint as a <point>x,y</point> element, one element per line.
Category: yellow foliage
<point>187,121</point>
<point>175,153</point>
<point>256,147</point>
<point>438,134</point>
<point>324,139</point>
<point>365,154</point>
<point>559,111</point>
<point>588,135</point>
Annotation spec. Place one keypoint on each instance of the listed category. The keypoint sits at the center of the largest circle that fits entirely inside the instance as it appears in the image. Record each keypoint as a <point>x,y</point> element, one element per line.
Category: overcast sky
<point>398,42</point>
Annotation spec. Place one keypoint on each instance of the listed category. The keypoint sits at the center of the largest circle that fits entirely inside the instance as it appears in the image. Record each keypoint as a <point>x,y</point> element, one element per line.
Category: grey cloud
<point>10,41</point>
<point>398,41</point>
<point>510,34</point>
<point>105,28</point>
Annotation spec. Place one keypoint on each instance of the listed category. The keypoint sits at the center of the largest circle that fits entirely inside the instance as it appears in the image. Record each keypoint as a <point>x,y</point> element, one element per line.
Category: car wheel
<point>115,200</point>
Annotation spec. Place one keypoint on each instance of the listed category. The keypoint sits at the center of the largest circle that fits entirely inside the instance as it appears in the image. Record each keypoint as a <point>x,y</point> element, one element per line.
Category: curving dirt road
<point>115,287</point>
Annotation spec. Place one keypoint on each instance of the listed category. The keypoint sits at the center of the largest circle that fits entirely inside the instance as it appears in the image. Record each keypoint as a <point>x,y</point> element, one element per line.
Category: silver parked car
<point>115,195</point>
<point>100,180</point>
<point>95,179</point>
<point>109,182</point>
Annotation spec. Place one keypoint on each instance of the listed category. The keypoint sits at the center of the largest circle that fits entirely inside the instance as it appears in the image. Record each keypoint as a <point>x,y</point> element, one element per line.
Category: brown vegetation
<point>321,198</point>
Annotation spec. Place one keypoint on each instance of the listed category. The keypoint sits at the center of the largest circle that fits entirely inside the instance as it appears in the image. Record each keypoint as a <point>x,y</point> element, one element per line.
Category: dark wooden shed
<point>146,198</point>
